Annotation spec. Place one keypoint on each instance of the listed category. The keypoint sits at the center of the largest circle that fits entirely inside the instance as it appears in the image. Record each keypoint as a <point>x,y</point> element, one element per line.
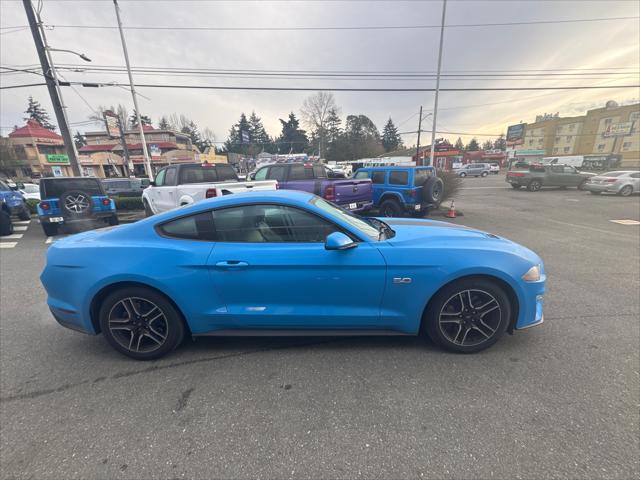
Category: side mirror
<point>339,241</point>
<point>151,183</point>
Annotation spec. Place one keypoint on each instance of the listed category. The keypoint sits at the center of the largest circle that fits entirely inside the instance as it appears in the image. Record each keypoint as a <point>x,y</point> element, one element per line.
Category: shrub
<point>32,203</point>
<point>128,203</point>
<point>452,185</point>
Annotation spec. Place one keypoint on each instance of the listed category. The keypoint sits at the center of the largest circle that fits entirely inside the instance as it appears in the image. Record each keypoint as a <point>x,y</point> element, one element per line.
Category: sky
<point>579,47</point>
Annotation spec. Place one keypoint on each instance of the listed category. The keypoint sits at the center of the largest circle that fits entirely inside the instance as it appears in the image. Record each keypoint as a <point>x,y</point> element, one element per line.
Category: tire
<point>76,204</point>
<point>534,185</point>
<point>128,329</point>
<point>516,187</point>
<point>594,193</point>
<point>462,174</point>
<point>50,229</point>
<point>113,220</point>
<point>626,191</point>
<point>582,184</point>
<point>474,331</point>
<point>390,208</point>
<point>24,214</point>
<point>484,174</point>
<point>432,190</point>
<point>147,209</point>
<point>6,225</point>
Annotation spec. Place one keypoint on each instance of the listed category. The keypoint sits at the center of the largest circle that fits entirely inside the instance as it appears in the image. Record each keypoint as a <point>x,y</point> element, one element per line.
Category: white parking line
<point>626,222</point>
<point>22,222</point>
<point>20,228</point>
<point>48,240</point>
<point>8,244</point>
<point>15,236</point>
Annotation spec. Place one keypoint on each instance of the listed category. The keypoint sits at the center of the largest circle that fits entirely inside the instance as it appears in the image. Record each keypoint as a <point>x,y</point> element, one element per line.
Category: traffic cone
<point>452,211</point>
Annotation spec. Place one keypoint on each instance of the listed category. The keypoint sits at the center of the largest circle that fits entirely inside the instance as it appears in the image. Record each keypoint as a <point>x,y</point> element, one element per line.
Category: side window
<point>557,168</point>
<point>569,170</point>
<point>319,172</point>
<point>296,172</point>
<point>160,178</point>
<point>270,224</point>
<point>277,172</point>
<point>261,174</point>
<point>170,176</point>
<point>4,187</point>
<point>226,173</point>
<point>361,175</point>
<point>193,227</point>
<point>398,177</point>
<point>635,175</point>
<point>377,177</point>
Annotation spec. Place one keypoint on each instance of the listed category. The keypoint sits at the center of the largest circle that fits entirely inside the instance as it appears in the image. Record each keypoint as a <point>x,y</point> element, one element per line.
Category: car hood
<point>417,233</point>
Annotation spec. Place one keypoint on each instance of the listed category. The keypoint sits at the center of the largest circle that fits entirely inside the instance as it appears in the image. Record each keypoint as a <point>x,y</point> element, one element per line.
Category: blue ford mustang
<point>290,263</point>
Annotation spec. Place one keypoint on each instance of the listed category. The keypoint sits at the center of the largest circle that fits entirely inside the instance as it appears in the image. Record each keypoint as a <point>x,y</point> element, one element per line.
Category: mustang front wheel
<point>141,323</point>
<point>469,315</point>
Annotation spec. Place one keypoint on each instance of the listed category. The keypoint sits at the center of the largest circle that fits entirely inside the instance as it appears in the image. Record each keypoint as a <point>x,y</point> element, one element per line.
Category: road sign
<point>112,121</point>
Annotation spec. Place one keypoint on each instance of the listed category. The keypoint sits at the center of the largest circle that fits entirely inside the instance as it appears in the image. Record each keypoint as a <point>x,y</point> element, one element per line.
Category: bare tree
<point>121,111</point>
<point>315,112</point>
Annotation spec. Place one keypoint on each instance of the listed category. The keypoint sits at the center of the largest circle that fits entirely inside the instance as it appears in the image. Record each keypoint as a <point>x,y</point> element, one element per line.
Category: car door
<point>154,193</point>
<point>271,269</point>
<point>555,176</point>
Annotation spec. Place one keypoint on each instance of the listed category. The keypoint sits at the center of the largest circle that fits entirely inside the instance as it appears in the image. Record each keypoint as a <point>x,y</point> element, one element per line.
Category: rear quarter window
<point>192,227</point>
<point>398,177</point>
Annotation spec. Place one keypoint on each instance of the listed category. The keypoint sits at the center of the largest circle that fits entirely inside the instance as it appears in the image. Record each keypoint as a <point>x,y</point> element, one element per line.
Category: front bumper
<point>17,208</point>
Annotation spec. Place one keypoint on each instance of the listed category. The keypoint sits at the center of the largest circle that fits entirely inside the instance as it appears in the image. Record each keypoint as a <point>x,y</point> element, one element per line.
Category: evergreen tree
<point>259,137</point>
<point>333,133</point>
<point>500,143</point>
<point>164,124</point>
<point>391,139</point>
<point>361,138</point>
<point>292,139</point>
<point>473,145</point>
<point>79,140</point>
<point>191,129</point>
<point>234,143</point>
<point>36,112</point>
<point>459,145</point>
<point>487,145</point>
<point>133,120</point>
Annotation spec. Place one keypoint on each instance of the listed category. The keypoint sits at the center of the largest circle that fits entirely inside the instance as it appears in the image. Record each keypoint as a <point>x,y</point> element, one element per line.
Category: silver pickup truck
<point>187,183</point>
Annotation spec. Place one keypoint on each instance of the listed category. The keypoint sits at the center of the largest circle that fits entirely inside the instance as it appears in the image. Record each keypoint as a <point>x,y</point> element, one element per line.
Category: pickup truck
<point>398,189</point>
<point>352,194</point>
<point>182,184</point>
<point>538,176</point>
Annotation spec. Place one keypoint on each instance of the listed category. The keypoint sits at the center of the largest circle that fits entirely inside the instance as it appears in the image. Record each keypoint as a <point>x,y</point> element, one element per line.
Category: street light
<point>81,55</point>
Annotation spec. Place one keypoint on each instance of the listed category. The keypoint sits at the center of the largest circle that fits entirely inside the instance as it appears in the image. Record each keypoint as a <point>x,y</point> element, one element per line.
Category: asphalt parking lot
<point>560,400</point>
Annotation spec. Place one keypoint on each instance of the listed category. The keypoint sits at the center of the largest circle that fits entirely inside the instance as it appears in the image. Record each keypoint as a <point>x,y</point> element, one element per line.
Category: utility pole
<point>418,145</point>
<point>435,105</point>
<point>147,160</point>
<point>53,85</point>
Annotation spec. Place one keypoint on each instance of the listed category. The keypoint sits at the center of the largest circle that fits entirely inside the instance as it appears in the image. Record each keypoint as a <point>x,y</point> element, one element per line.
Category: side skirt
<point>299,333</point>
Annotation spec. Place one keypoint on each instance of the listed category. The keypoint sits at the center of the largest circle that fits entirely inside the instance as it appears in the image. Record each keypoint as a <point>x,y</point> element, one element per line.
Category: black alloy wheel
<point>534,185</point>
<point>141,323</point>
<point>390,208</point>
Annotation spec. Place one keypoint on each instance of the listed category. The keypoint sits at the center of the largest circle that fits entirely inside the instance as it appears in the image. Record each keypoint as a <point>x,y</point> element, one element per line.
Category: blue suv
<point>13,202</point>
<point>73,200</point>
<point>398,189</point>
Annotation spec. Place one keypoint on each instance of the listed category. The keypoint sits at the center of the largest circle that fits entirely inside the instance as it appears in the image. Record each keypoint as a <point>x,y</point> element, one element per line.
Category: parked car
<point>30,191</point>
<point>352,194</point>
<point>494,168</point>
<point>124,187</point>
<point>335,172</point>
<point>473,170</point>
<point>183,184</point>
<point>13,202</point>
<point>6,225</point>
<point>623,183</point>
<point>290,263</point>
<point>537,176</point>
<point>398,190</point>
<point>72,201</point>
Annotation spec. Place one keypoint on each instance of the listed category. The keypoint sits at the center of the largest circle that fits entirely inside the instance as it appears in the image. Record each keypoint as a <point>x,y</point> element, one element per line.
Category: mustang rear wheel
<point>141,323</point>
<point>468,316</point>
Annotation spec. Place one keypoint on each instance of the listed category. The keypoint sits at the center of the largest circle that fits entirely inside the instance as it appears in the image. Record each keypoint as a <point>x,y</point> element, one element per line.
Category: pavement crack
<point>184,398</point>
<point>155,368</point>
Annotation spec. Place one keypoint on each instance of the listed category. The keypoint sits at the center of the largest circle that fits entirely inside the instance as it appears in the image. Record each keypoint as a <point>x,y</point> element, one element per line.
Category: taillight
<point>515,174</point>
<point>611,180</point>
<point>211,192</point>
<point>44,205</point>
<point>412,193</point>
<point>106,202</point>
<point>277,186</point>
<point>330,193</point>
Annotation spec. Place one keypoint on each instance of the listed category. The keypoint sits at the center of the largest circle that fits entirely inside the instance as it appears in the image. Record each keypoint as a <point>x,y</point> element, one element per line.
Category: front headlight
<point>532,275</point>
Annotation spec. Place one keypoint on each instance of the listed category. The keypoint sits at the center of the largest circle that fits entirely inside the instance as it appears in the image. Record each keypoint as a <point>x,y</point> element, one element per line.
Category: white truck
<point>183,184</point>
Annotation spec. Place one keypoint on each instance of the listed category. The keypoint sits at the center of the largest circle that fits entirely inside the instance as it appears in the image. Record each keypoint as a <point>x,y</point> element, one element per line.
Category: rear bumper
<point>359,206</point>
<point>593,187</point>
<point>55,219</point>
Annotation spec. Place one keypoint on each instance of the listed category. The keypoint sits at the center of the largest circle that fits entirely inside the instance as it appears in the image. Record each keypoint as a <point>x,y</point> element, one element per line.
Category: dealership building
<point>610,131</point>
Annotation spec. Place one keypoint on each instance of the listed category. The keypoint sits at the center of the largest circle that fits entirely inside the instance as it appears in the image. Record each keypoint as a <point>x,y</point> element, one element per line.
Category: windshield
<point>31,189</point>
<point>360,224</point>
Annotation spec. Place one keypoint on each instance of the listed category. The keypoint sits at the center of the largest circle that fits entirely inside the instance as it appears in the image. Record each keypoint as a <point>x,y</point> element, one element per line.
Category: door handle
<point>231,264</point>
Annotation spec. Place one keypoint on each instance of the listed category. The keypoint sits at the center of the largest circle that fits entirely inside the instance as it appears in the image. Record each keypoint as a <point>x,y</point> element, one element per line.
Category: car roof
<point>396,167</point>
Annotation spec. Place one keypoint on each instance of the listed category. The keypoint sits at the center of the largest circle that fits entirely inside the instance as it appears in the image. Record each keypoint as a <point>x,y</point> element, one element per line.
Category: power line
<point>347,27</point>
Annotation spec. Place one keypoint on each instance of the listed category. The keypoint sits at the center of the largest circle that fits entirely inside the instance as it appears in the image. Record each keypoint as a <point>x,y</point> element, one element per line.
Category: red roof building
<point>34,130</point>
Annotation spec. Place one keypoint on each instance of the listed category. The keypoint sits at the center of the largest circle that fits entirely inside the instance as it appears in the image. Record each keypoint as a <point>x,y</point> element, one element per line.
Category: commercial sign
<point>154,150</point>
<point>112,122</point>
<point>244,136</point>
<point>524,153</point>
<point>57,171</point>
<point>57,158</point>
<point>515,134</point>
<point>618,129</point>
